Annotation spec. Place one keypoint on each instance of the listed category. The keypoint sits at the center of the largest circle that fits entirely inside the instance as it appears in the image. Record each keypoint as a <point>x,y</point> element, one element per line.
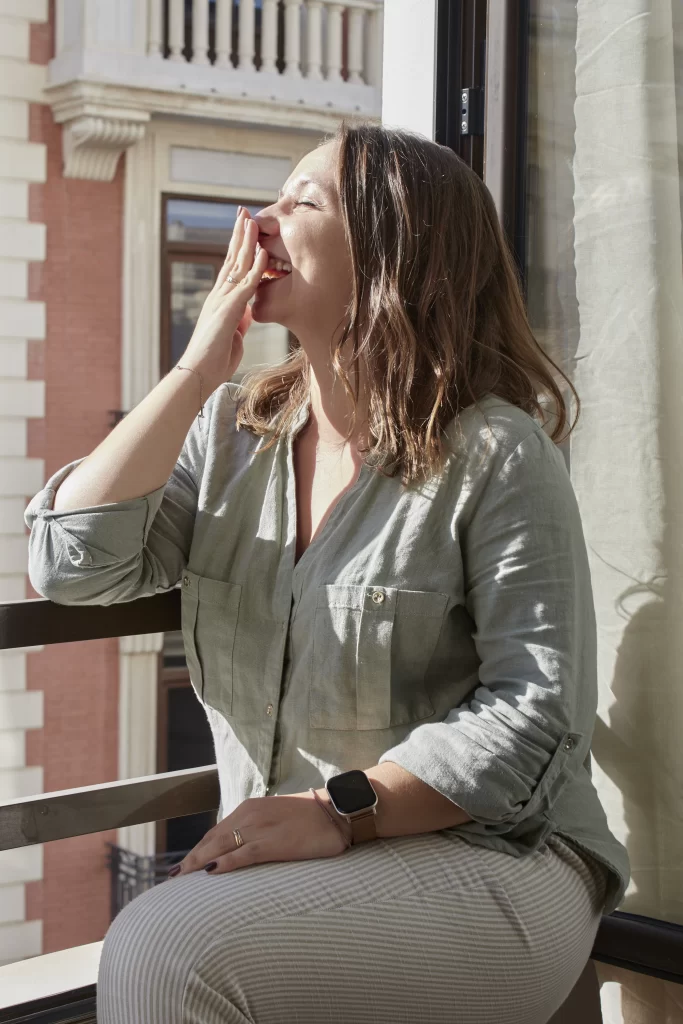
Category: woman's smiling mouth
<point>275,270</point>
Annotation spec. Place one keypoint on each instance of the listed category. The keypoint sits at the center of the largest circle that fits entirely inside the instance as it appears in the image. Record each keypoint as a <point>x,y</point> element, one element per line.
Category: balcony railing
<point>133,873</point>
<point>632,942</point>
<point>180,56</point>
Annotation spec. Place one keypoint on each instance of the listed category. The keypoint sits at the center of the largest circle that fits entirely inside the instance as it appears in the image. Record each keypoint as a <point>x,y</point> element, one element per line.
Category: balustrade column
<point>200,31</point>
<point>314,42</point>
<point>293,38</point>
<point>375,46</point>
<point>333,49</point>
<point>246,35</point>
<point>356,15</point>
<point>155,29</point>
<point>223,33</point>
<point>176,29</point>
<point>269,36</point>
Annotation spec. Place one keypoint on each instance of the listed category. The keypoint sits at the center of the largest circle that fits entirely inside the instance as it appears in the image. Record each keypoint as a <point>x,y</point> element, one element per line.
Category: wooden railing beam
<point>111,805</point>
<point>37,622</point>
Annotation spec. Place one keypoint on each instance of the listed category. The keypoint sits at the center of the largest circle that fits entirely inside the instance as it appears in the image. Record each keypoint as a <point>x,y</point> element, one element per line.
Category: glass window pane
<point>190,285</point>
<point>206,223</point>
<point>604,193</point>
<point>264,345</point>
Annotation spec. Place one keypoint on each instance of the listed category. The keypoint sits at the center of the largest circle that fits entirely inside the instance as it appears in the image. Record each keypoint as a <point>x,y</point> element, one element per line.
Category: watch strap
<point>363,826</point>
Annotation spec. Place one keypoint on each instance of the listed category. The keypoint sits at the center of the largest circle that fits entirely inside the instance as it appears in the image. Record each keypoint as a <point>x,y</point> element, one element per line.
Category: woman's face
<point>304,228</point>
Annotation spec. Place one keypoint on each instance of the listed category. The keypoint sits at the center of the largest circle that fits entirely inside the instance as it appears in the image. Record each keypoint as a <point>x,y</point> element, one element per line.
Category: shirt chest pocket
<point>209,622</point>
<point>371,650</point>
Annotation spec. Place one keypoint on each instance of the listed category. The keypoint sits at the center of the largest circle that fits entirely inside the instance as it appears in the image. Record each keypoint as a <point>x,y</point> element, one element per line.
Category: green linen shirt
<point>447,627</point>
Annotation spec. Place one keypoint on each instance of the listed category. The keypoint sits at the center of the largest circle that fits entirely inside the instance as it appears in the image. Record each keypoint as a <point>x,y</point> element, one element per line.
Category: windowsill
<point>40,977</point>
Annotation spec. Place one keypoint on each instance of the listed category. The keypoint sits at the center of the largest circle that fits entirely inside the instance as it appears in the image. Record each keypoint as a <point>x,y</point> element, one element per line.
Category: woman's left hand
<point>274,828</point>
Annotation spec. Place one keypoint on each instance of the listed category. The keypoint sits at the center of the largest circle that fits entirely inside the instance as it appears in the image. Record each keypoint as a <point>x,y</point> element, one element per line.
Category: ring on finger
<point>232,280</point>
<point>238,837</point>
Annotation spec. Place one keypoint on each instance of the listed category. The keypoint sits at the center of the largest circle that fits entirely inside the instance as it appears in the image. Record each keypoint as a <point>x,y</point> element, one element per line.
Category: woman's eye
<point>305,202</point>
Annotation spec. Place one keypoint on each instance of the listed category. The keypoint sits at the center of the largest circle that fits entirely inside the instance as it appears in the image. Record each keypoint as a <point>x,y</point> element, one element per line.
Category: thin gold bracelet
<point>201,403</point>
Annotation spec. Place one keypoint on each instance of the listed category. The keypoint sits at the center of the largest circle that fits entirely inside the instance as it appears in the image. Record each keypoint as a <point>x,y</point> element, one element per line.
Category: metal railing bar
<point>36,622</point>
<point>645,945</point>
<point>78,812</point>
<point>76,1007</point>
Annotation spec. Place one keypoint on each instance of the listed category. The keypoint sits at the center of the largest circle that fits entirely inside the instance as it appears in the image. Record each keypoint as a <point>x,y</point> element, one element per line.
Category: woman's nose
<point>267,226</point>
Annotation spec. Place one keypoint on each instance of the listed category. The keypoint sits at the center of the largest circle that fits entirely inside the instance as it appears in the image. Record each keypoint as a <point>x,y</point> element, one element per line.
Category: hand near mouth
<point>216,346</point>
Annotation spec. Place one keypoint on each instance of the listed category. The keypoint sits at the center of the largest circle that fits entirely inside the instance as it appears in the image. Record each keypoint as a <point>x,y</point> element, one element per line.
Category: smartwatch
<point>354,798</point>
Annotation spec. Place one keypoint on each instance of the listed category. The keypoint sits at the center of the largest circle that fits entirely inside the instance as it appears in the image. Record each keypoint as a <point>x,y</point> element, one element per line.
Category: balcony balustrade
<point>298,64</point>
<point>629,941</point>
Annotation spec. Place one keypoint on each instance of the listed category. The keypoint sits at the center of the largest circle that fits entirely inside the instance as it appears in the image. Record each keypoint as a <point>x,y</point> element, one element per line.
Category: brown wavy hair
<point>436,319</point>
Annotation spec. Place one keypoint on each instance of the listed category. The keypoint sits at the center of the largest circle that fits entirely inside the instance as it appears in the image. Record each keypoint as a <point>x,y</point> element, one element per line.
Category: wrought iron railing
<point>134,873</point>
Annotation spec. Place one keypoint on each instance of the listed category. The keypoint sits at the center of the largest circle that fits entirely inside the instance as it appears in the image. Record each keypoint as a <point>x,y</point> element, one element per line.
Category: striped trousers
<point>424,928</point>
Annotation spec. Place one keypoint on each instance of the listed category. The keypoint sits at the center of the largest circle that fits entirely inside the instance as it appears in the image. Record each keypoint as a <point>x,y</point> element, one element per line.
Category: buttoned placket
<point>289,580</point>
<point>297,571</point>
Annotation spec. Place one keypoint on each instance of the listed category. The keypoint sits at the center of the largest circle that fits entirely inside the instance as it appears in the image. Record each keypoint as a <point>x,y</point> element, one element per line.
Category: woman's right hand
<point>217,343</point>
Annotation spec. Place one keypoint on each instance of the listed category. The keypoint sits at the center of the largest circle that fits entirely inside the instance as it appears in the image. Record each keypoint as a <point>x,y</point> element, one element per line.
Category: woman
<point>383,573</point>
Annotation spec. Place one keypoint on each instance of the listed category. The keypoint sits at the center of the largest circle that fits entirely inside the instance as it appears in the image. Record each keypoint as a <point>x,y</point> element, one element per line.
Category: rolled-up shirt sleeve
<point>504,754</point>
<point>117,551</point>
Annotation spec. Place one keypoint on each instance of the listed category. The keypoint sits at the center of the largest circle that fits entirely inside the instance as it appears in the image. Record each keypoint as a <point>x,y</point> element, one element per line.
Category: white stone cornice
<point>74,99</point>
<point>91,146</point>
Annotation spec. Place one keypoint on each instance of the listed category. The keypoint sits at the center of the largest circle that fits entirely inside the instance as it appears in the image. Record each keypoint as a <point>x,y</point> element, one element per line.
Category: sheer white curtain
<point>606,297</point>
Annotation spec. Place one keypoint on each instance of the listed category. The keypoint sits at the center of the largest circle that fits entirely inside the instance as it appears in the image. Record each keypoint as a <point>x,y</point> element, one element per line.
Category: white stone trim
<point>23,163</point>
<point>12,673</point>
<point>19,782</point>
<point>22,81</point>
<point>14,357</point>
<point>24,399</point>
<point>22,865</point>
<point>26,161</point>
<point>22,709</point>
<point>14,38</point>
<point>12,588</point>
<point>20,939</point>
<point>14,200</point>
<point>12,509</point>
<point>14,119</point>
<point>22,241</point>
<point>12,753</point>
<point>73,96</point>
<point>20,318</point>
<point>13,906</point>
<point>138,657</point>
<point>29,10</point>
<point>20,476</point>
<point>13,273</point>
<point>14,553</point>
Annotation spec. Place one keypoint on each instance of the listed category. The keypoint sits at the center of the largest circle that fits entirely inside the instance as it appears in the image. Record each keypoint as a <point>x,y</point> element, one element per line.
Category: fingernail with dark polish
<point>212,866</point>
<point>175,870</point>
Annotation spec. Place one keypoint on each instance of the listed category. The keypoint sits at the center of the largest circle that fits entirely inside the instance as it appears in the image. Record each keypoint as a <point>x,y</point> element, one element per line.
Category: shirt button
<point>569,743</point>
<point>186,581</point>
<point>378,597</point>
<point>269,709</point>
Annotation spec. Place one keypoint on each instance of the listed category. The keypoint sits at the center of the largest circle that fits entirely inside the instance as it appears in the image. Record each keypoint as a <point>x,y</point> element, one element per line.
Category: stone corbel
<point>92,145</point>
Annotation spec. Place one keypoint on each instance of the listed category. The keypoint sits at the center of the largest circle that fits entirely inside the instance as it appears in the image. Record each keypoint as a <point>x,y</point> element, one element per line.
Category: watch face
<point>351,791</point>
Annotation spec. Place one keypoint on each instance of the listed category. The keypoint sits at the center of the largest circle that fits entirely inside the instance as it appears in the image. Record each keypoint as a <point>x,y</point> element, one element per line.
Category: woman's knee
<point>148,953</point>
